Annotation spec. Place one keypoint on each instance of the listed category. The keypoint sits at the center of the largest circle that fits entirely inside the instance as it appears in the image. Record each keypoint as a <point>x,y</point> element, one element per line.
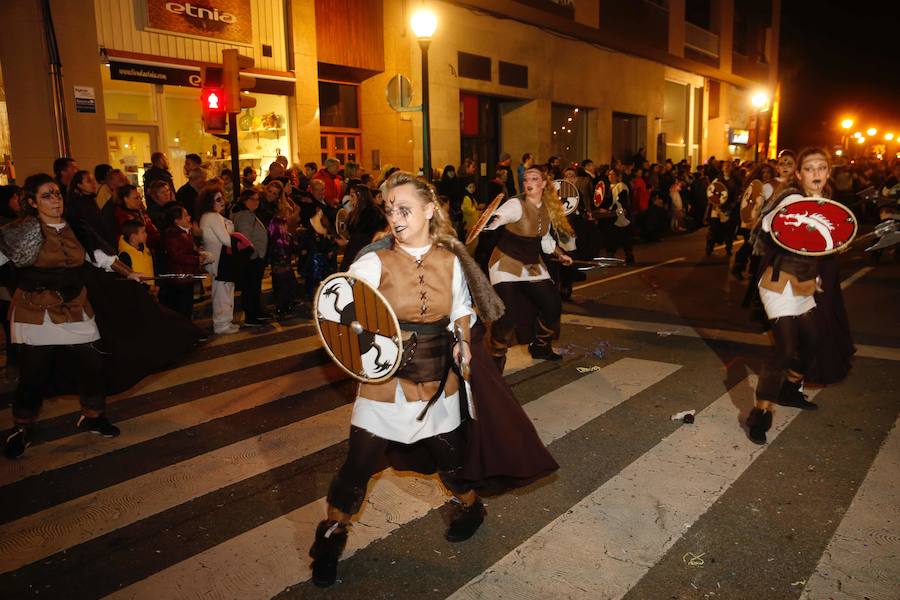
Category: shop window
<point>675,120</point>
<point>569,129</point>
<point>338,105</point>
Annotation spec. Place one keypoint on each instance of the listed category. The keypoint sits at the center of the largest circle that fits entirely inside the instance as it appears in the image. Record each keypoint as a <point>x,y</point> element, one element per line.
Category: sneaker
<point>253,323</point>
<point>232,328</point>
<point>15,441</point>
<point>464,520</point>
<point>99,425</point>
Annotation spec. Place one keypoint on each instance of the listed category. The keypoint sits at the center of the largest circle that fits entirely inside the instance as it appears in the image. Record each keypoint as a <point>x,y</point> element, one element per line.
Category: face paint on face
<point>49,203</point>
<point>534,183</point>
<point>813,174</point>
<point>408,216</point>
<point>786,166</point>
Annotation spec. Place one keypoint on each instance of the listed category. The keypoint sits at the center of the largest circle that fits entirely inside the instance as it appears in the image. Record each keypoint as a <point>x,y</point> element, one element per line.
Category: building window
<point>473,66</point>
<point>699,12</point>
<point>569,129</point>
<point>714,92</point>
<point>513,75</point>
<point>338,105</point>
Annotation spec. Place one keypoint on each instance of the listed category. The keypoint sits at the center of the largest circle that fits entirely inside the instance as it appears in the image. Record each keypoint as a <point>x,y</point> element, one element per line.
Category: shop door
<point>629,134</point>
<point>480,132</point>
<point>130,148</point>
<point>344,146</point>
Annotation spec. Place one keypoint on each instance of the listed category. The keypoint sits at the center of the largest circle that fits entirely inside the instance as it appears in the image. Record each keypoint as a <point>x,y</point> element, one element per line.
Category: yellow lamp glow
<point>871,131</point>
<point>838,152</point>
<point>423,23</point>
<point>759,99</point>
<point>847,123</point>
<point>888,136</point>
<point>857,135</point>
<point>860,140</point>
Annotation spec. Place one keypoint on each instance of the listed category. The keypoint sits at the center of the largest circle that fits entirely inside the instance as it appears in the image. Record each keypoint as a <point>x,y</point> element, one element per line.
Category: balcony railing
<point>701,40</point>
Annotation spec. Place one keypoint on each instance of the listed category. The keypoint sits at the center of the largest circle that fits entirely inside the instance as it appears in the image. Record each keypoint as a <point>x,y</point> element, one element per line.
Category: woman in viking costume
<point>50,312</point>
<point>803,302</point>
<point>417,418</point>
<point>518,273</point>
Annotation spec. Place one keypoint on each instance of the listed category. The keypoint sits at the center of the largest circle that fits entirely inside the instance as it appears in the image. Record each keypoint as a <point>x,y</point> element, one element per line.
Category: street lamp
<point>888,136</point>
<point>847,124</point>
<point>871,131</point>
<point>760,101</point>
<point>424,22</point>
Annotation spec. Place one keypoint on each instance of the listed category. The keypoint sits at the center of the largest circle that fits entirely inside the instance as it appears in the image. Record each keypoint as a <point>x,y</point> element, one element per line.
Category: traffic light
<point>235,82</point>
<point>214,101</point>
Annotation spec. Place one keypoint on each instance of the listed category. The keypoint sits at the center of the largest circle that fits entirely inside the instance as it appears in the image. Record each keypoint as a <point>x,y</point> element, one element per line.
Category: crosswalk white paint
<point>862,559</point>
<point>81,519</point>
<point>84,446</point>
<point>263,561</point>
<point>625,526</point>
<point>62,405</point>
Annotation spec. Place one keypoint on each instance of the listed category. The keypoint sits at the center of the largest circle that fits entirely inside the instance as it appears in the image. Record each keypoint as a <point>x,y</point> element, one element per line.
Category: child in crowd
<point>281,255</point>
<point>179,255</point>
<point>133,251</point>
<point>471,210</point>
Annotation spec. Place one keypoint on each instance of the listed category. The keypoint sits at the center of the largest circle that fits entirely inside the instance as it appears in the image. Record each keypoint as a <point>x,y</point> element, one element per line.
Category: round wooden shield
<point>568,195</point>
<point>813,226</point>
<point>751,200</point>
<point>717,193</point>
<point>340,223</point>
<point>483,219</point>
<point>358,328</point>
<point>599,193</point>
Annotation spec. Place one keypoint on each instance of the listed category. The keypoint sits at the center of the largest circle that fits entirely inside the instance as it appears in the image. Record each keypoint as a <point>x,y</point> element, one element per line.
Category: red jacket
<point>334,190</point>
<point>180,254</point>
<point>640,194</point>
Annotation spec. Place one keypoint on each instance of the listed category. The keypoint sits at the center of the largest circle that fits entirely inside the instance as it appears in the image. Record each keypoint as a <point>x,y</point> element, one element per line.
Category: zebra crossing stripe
<point>626,525</point>
<point>63,452</point>
<point>267,559</point>
<point>70,523</point>
<point>862,558</point>
<point>63,405</point>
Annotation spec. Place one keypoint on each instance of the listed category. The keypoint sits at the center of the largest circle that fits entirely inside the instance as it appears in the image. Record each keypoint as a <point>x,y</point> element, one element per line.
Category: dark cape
<point>138,335</point>
<point>503,450</point>
<point>835,350</point>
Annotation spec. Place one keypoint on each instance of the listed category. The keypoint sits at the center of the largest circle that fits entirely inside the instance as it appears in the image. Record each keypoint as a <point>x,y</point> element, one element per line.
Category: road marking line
<point>70,450</point>
<point>267,559</point>
<point>626,525</point>
<point>621,275</point>
<point>853,278</point>
<point>708,333</point>
<point>155,382</point>
<point>861,560</point>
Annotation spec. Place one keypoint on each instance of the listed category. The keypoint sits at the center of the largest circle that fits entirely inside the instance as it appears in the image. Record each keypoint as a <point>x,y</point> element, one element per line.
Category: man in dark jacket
<point>188,193</point>
<point>158,172</point>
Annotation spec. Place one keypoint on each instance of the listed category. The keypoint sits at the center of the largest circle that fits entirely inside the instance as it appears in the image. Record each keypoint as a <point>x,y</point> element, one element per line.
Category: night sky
<point>838,58</point>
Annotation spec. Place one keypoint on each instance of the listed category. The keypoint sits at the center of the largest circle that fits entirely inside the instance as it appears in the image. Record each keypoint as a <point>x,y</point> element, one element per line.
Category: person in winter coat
<point>217,232</point>
<point>250,284</point>
<point>179,255</point>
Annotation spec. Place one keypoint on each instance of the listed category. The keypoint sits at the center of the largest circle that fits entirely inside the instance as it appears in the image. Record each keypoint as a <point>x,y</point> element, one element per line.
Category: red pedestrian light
<point>212,100</point>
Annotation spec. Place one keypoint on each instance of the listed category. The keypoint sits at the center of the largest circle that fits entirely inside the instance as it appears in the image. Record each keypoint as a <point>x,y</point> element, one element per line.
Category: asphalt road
<point>216,484</point>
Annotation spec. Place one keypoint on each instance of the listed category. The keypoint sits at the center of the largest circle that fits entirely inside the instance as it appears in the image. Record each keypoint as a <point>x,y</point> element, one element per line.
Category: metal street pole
<point>235,159</point>
<point>426,133</point>
<point>756,139</point>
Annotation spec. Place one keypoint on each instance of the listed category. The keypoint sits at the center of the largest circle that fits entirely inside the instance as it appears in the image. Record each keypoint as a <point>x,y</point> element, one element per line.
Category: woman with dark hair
<point>129,206</point>
<point>417,419</point>
<point>812,346</point>
<point>217,230</point>
<point>365,220</point>
<point>451,187</point>
<point>81,202</point>
<point>51,313</point>
<point>250,283</point>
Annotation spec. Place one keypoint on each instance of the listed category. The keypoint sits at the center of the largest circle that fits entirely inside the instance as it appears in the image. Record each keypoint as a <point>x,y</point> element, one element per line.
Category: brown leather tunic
<point>61,250</point>
<point>420,291</point>
<point>528,230</point>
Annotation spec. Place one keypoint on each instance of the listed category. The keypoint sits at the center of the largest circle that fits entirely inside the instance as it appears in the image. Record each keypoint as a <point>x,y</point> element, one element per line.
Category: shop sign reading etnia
<point>227,20</point>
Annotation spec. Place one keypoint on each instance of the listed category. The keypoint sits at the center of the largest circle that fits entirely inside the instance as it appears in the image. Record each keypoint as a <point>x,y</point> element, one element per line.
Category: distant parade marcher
<point>518,272</point>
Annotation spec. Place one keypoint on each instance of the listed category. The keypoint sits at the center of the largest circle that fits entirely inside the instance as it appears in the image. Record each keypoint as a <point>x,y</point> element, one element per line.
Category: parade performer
<point>802,300</point>
<point>518,273</point>
<point>718,216</point>
<point>758,190</point>
<point>612,216</point>
<point>416,419</point>
<point>50,310</point>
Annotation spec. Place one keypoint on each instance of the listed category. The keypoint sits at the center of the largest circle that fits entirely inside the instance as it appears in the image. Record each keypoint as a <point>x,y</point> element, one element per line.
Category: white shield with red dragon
<point>812,226</point>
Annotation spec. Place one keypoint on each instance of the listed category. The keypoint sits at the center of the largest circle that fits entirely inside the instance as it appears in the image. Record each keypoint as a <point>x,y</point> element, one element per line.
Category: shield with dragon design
<point>358,328</point>
<point>568,195</point>
<point>813,226</point>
